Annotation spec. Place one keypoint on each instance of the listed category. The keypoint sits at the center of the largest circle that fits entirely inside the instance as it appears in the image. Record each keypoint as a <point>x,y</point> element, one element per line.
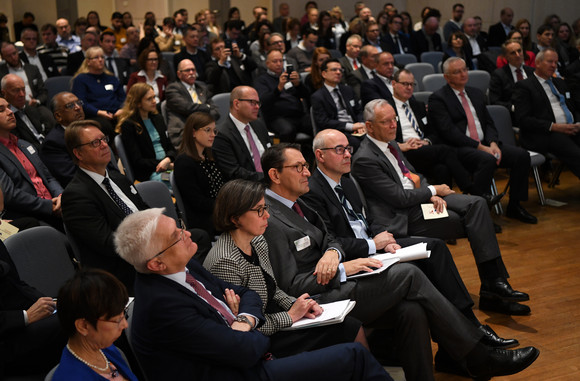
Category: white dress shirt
<point>99,180</point>
<point>240,126</point>
<point>559,115</point>
<point>477,122</point>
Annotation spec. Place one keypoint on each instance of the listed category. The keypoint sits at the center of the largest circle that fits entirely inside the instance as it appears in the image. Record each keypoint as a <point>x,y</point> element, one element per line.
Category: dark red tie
<point>519,75</point>
<point>298,209</point>
<point>406,172</point>
<point>354,64</point>
<point>209,298</point>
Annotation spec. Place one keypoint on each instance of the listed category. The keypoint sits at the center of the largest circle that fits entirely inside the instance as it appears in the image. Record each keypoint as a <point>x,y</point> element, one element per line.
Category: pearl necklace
<point>106,368</point>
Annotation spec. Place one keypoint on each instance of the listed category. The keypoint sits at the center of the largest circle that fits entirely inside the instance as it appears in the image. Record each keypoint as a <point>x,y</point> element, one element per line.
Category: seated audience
<point>118,31</point>
<point>379,86</point>
<point>498,32</point>
<point>228,67</point>
<point>314,80</point>
<point>94,20</point>
<point>75,60</point>
<point>326,37</point>
<point>197,176</point>
<point>65,36</point>
<point>148,43</point>
<point>149,73</point>
<point>350,60</point>
<point>525,27</point>
<point>129,50</point>
<point>144,135</point>
<point>276,42</point>
<point>26,22</point>
<point>458,46</point>
<point>57,52</point>
<point>192,52</point>
<point>167,41</point>
<point>394,41</point>
<point>368,56</point>
<point>302,53</point>
<point>528,56</point>
<point>200,327</point>
<point>92,313</point>
<point>119,67</point>
<point>292,37</point>
<point>29,55</point>
<point>427,39</point>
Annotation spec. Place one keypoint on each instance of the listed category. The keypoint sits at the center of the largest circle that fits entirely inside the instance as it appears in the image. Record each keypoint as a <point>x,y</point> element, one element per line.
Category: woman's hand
<point>304,307</point>
<point>361,264</point>
<point>164,165</point>
<point>232,300</point>
<point>105,114</point>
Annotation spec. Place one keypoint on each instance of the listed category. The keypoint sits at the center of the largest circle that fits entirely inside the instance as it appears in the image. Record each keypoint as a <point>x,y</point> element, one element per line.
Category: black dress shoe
<point>444,363</point>
<point>500,289</point>
<point>501,362</point>
<point>491,339</point>
<point>492,200</point>
<point>503,307</point>
<point>515,210</point>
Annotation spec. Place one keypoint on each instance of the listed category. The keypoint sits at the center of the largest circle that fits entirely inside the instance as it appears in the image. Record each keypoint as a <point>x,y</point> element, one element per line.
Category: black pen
<point>314,297</point>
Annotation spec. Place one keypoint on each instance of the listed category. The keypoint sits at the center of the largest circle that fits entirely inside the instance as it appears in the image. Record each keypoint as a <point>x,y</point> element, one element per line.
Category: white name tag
<point>352,103</point>
<point>109,87</point>
<point>133,190</point>
<point>567,95</point>
<point>31,150</point>
<point>302,243</point>
<point>424,120</point>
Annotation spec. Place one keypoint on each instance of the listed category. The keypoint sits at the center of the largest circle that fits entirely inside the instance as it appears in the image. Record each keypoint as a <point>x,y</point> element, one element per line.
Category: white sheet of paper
<point>332,313</point>
<point>409,253</point>
<point>429,212</point>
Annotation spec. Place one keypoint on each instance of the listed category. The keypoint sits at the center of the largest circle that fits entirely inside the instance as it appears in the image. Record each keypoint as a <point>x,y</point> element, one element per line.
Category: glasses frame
<point>299,167</point>
<point>72,105</point>
<point>96,143</point>
<point>253,102</point>
<point>124,317</point>
<point>340,149</point>
<point>181,238</point>
<point>261,210</point>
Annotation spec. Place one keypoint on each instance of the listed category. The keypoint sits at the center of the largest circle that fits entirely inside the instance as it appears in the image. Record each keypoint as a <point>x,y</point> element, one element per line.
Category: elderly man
<point>368,56</point>
<point>545,113</point>
<point>350,61</point>
<point>302,53</point>
<point>427,39</point>
<point>29,55</point>
<point>75,60</point>
<point>498,32</point>
<point>395,192</point>
<point>242,137</point>
<point>460,117</point>
<point>66,108</point>
<point>192,52</point>
<point>281,94</point>
<point>380,86</point>
<point>184,98</point>
<point>29,188</point>
<point>65,37</point>
<point>32,122</point>
<point>228,67</point>
<point>36,93</point>
<point>306,258</point>
<point>200,327</point>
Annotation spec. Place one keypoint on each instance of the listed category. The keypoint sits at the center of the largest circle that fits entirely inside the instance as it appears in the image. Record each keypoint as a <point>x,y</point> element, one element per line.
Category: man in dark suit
<point>184,98</point>
<point>75,60</point>
<point>547,117</point>
<point>395,192</point>
<point>380,85</point>
<point>227,68</point>
<point>454,23</point>
<point>498,32</point>
<point>36,93</point>
<point>306,258</point>
<point>350,61</point>
<point>29,55</point>
<point>242,137</point>
<point>395,42</point>
<point>335,106</point>
<point>192,52</point>
<point>368,57</point>
<point>190,321</point>
<point>66,108</point>
<point>503,79</point>
<point>478,46</point>
<point>427,39</point>
<point>460,117</point>
<point>276,42</point>
<point>120,67</point>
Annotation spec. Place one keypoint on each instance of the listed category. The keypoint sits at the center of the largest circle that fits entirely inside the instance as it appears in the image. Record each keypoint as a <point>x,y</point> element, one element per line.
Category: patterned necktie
<point>519,75</point>
<point>254,149</point>
<point>298,210</point>
<point>209,298</point>
<point>116,197</point>
<point>470,120</point>
<point>110,66</point>
<point>569,118</point>
<point>194,96</point>
<point>354,215</point>
<point>408,174</point>
<point>412,120</point>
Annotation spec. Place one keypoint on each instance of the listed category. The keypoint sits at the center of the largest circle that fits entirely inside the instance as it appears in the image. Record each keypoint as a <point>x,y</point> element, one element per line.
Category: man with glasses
<point>454,23</point>
<point>29,55</point>
<point>185,97</point>
<point>192,52</point>
<point>242,137</point>
<point>228,67</point>
<point>368,56</point>
<point>276,42</point>
<point>395,42</point>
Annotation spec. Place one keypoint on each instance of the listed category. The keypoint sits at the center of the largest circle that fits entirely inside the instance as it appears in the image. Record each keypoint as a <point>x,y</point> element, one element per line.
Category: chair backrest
<point>178,198</point>
<point>422,96</point>
<point>479,79</point>
<point>419,70</point>
<point>434,58</point>
<point>503,123</point>
<point>168,57</point>
<point>42,257</point>
<point>222,102</point>
<point>50,374</point>
<point>163,109</point>
<point>433,82</point>
<point>313,122</point>
<point>55,85</point>
<point>157,195</point>
<point>404,59</point>
<point>124,158</point>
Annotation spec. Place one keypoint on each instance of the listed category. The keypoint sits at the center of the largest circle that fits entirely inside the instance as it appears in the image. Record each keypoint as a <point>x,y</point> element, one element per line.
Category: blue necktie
<point>569,118</point>
<point>413,121</point>
<point>349,210</point>
<point>116,197</point>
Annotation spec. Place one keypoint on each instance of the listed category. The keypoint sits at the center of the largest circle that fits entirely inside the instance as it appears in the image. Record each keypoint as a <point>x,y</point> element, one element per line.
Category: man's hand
<point>282,81</point>
<point>42,308</point>
<point>359,128</point>
<point>443,190</point>
<point>304,307</point>
<point>438,203</point>
<point>232,300</point>
<point>295,78</point>
<point>383,239</point>
<point>392,248</point>
<point>56,206</point>
<point>566,128</point>
<point>326,267</point>
<point>361,264</point>
<point>105,114</point>
<point>493,150</point>
<point>224,54</point>
<point>236,50</point>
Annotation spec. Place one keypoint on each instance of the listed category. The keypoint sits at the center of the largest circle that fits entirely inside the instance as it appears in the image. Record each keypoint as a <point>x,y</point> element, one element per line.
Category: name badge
<point>31,150</point>
<point>352,103</point>
<point>109,87</point>
<point>424,120</point>
<point>302,243</point>
<point>133,190</point>
<point>123,40</point>
<point>567,95</point>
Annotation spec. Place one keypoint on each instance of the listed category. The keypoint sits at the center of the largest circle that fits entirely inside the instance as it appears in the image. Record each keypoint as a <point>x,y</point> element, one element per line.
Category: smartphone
<point>289,68</point>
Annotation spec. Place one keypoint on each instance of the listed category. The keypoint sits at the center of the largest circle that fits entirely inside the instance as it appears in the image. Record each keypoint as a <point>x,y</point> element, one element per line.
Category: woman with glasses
<point>149,63</point>
<point>91,311</point>
<point>144,135</point>
<point>197,176</point>
<point>240,256</point>
<point>457,47</point>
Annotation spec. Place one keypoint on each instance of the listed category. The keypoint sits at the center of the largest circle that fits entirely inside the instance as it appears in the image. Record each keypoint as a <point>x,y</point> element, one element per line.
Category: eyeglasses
<point>336,69</point>
<point>209,130</point>
<point>120,320</point>
<point>253,102</point>
<point>277,42</point>
<point>261,210</point>
<point>407,84</point>
<point>340,149</point>
<point>187,70</point>
<point>299,167</point>
<point>181,238</point>
<point>72,105</point>
<point>95,143</point>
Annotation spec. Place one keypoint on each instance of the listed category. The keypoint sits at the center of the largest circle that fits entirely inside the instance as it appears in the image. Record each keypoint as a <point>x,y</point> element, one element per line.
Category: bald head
<point>13,90</point>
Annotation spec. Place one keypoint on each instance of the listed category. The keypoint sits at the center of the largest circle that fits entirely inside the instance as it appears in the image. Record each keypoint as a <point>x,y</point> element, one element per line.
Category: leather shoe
<point>500,289</point>
<point>492,200</point>
<point>444,363</point>
<point>501,362</point>
<point>515,210</point>
<point>503,307</point>
<point>491,339</point>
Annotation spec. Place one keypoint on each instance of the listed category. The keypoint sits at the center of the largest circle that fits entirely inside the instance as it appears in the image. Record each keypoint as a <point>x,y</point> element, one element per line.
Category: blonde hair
<point>90,53</point>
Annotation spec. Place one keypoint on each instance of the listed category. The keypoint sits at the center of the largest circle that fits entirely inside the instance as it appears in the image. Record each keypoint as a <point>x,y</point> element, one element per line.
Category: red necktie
<point>470,120</point>
<point>519,75</point>
<point>209,298</point>
<point>408,174</point>
<point>298,209</point>
<point>254,147</point>
<point>354,64</point>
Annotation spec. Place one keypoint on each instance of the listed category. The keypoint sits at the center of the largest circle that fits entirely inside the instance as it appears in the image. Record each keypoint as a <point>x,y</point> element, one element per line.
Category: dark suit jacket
<point>355,79</point>
<point>447,117</point>
<point>275,103</point>
<point>55,156</point>
<point>347,67</point>
<point>35,81</point>
<point>232,154</point>
<point>199,60</point>
<point>420,113</point>
<point>497,34</point>
<point>533,111</point>
<point>389,44</point>
<point>180,106</point>
<point>91,217</point>
<point>124,69</point>
<point>374,88</point>
<point>223,80</point>
<point>325,112</point>
<point>175,327</point>
<point>422,45</point>
<point>74,62</point>
<point>387,201</point>
<point>502,84</point>
<point>139,146</point>
<point>48,65</point>
<point>42,126</point>
<point>20,197</point>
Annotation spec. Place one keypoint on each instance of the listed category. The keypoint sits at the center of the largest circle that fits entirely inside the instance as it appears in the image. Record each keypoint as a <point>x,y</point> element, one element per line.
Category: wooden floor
<point>544,261</point>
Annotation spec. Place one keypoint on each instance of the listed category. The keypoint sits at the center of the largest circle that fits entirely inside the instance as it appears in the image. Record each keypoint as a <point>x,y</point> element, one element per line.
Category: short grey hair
<point>353,37</point>
<point>449,61</point>
<point>135,238</point>
<point>539,56</point>
<point>318,141</point>
<point>369,112</point>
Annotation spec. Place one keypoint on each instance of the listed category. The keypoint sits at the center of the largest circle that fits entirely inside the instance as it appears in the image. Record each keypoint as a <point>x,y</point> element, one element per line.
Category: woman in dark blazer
<point>197,175</point>
<point>240,256</point>
<point>144,135</point>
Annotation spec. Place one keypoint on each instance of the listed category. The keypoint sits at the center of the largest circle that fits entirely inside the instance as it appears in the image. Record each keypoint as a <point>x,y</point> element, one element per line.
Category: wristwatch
<point>244,319</point>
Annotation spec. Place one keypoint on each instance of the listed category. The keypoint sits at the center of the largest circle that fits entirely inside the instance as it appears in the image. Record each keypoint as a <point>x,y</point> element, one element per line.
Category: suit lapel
<point>291,219</point>
<point>100,193</point>
<point>382,158</point>
<point>10,156</point>
<point>238,139</point>
<point>328,192</point>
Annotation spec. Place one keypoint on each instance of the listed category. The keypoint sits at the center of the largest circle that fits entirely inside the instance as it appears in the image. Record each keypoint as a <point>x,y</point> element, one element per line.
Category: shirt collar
<point>330,181</point>
<point>382,145</point>
<point>329,88</point>
<point>12,140</point>
<point>98,178</point>
<point>276,196</point>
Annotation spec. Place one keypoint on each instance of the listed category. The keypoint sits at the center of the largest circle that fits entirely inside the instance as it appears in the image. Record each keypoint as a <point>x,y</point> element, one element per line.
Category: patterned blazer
<point>225,261</point>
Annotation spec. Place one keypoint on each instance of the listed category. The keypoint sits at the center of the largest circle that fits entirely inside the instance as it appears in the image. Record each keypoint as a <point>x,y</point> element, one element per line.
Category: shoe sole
<point>493,296</point>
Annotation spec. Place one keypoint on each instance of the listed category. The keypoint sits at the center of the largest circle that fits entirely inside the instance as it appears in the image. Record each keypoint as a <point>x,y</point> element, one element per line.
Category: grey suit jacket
<point>180,106</point>
<point>35,81</point>
<point>294,268</point>
<point>226,261</point>
<point>20,197</point>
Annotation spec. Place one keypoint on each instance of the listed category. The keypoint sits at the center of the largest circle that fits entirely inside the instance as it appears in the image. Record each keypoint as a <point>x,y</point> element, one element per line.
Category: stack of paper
<point>332,313</point>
